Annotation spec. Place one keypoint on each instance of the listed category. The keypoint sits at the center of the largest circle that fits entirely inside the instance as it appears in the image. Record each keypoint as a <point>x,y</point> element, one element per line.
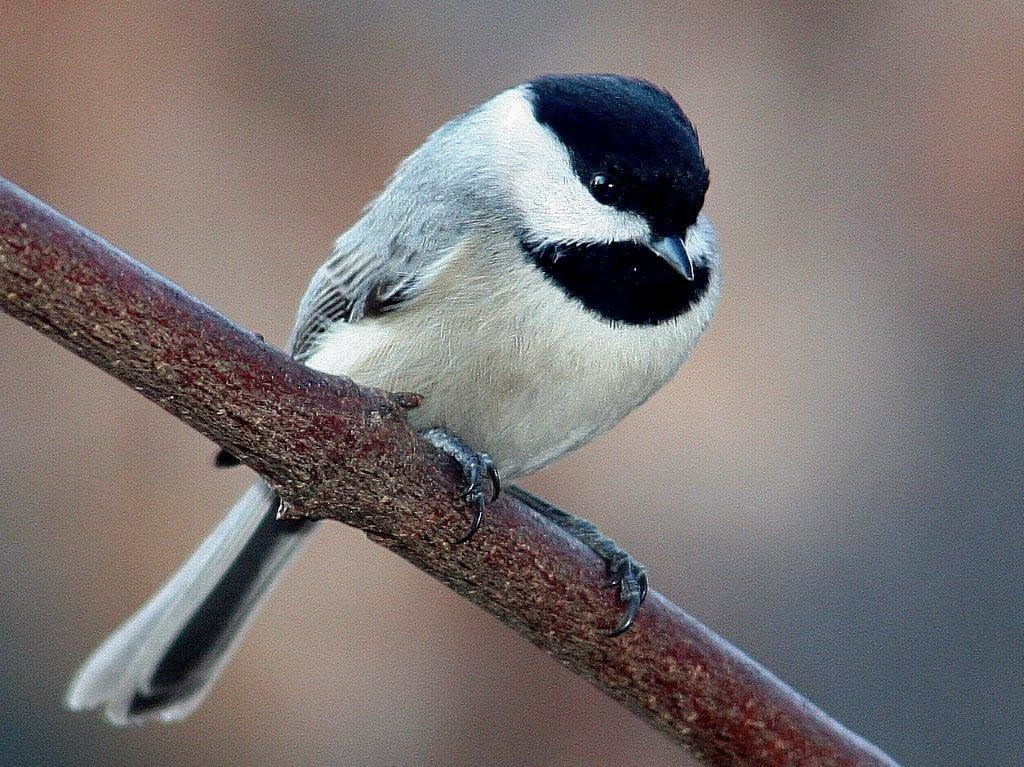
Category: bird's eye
<point>605,191</point>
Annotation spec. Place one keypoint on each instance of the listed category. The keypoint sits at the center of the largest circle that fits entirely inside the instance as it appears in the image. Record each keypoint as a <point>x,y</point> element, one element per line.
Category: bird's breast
<point>510,364</point>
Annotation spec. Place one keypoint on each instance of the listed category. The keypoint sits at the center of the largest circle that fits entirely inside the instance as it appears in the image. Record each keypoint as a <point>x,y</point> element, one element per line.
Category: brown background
<point>834,482</point>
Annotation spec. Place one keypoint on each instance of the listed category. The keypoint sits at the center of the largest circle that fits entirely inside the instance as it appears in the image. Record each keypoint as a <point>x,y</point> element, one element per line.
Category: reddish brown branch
<point>337,450</point>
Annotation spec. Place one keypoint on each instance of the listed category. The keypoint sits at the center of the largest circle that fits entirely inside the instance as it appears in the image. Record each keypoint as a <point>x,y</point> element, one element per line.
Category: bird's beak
<point>673,251</point>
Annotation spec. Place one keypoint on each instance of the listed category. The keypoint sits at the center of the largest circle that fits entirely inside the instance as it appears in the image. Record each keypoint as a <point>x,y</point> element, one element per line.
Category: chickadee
<point>536,270</point>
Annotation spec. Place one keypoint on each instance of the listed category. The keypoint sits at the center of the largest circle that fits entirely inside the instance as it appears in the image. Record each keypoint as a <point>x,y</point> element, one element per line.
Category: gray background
<point>834,483</point>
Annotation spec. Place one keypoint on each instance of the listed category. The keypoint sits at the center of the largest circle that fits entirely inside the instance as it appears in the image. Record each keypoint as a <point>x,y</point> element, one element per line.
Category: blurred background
<point>834,483</point>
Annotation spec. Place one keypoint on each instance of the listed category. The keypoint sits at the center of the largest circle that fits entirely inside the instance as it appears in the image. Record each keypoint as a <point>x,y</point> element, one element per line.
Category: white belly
<point>514,369</point>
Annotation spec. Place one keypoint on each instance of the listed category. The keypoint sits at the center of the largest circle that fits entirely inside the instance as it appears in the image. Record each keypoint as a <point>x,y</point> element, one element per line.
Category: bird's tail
<point>161,662</point>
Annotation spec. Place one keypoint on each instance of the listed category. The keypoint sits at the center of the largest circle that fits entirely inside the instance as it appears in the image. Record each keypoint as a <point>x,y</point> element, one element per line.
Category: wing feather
<point>355,283</point>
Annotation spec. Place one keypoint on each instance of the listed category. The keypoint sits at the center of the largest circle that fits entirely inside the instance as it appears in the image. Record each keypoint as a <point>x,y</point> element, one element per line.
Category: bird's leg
<point>475,466</point>
<point>624,573</point>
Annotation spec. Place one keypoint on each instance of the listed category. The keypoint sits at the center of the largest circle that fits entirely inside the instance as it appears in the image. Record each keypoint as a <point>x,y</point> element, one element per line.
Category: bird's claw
<point>624,573</point>
<point>630,577</point>
<point>474,466</point>
<point>492,474</point>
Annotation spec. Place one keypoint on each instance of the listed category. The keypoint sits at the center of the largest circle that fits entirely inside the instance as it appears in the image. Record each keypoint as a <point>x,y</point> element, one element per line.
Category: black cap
<point>629,143</point>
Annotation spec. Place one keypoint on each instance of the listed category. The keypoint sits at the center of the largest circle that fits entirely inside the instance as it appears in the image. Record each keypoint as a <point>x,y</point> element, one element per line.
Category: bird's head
<point>606,183</point>
<point>598,178</point>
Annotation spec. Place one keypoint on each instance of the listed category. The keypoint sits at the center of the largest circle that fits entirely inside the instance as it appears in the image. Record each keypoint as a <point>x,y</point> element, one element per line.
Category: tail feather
<point>163,660</point>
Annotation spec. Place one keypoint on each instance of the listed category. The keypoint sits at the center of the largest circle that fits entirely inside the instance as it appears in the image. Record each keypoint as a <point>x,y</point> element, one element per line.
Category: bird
<point>537,269</point>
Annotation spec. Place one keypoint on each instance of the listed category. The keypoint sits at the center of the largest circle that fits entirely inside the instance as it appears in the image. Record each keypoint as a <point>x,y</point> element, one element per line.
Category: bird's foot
<point>624,573</point>
<point>478,468</point>
<point>630,577</point>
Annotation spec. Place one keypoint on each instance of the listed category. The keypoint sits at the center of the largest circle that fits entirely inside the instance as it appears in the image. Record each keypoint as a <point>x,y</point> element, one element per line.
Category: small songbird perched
<point>536,270</point>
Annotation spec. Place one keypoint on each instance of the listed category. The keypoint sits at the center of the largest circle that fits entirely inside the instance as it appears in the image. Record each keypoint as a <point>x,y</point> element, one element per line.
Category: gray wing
<point>395,250</point>
<point>355,283</point>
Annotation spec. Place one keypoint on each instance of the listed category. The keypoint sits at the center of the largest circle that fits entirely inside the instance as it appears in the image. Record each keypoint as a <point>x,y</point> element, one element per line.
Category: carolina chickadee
<point>537,269</point>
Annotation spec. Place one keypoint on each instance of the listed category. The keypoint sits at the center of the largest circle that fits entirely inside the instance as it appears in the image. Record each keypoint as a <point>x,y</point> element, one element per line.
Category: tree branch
<point>336,450</point>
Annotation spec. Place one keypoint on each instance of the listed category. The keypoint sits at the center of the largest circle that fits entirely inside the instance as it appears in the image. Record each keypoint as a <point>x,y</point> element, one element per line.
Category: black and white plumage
<point>536,270</point>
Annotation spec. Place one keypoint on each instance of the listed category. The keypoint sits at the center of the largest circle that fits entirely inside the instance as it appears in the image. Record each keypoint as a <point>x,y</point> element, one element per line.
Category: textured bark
<point>336,450</point>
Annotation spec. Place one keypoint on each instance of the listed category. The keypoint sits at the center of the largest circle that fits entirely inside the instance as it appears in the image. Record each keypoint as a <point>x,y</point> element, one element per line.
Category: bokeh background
<point>834,482</point>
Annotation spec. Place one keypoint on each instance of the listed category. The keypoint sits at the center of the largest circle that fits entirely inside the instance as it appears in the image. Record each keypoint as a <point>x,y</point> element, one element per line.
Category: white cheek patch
<point>555,205</point>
